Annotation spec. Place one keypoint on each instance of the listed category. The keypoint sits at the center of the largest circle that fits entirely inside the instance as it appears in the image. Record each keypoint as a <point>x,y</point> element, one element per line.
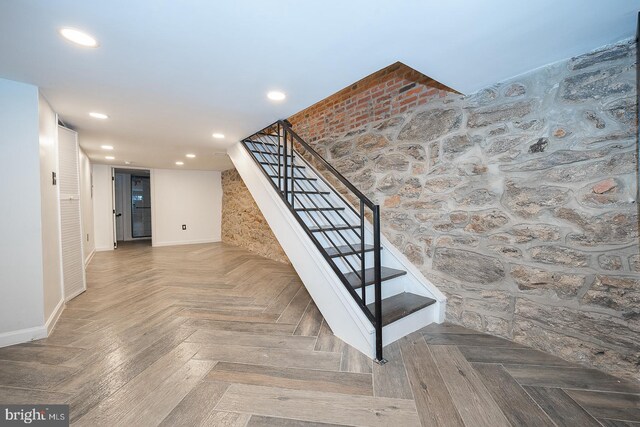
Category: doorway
<point>132,206</point>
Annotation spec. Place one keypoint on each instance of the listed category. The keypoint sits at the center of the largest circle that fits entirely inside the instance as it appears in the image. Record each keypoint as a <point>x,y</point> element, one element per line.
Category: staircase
<point>368,292</point>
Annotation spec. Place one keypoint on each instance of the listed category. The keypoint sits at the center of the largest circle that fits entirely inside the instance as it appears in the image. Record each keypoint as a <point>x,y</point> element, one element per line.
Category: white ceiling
<point>170,73</point>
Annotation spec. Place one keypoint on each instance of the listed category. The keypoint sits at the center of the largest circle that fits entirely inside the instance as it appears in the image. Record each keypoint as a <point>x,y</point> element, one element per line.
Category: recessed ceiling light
<point>109,157</point>
<point>100,116</point>
<point>218,135</point>
<point>191,156</point>
<point>179,163</point>
<point>107,147</point>
<point>78,37</point>
<point>274,95</point>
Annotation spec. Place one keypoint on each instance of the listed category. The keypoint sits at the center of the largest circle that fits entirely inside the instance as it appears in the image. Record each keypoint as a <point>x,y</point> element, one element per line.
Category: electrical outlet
<point>184,226</point>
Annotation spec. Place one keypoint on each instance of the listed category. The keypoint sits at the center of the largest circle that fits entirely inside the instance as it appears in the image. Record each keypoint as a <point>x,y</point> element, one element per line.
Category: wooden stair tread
<point>338,227</point>
<point>297,178</point>
<point>345,250</point>
<point>311,192</point>
<point>330,208</point>
<point>386,273</point>
<point>270,153</point>
<point>260,142</point>
<point>401,305</point>
<point>281,164</point>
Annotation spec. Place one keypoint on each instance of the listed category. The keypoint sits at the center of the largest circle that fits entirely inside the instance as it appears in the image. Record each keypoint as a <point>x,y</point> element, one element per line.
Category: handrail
<point>280,135</point>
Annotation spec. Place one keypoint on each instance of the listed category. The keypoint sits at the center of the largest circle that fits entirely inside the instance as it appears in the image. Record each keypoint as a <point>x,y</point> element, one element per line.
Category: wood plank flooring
<point>214,335</point>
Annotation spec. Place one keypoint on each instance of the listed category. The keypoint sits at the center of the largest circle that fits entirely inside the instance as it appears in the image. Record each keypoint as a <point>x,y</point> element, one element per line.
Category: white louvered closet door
<point>70,217</point>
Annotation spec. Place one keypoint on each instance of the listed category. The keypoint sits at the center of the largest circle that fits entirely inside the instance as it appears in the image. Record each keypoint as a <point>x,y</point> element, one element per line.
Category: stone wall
<point>242,222</point>
<point>518,202</point>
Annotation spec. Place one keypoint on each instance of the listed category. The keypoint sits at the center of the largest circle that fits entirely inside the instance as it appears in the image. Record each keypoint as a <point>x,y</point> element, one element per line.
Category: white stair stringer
<point>341,312</point>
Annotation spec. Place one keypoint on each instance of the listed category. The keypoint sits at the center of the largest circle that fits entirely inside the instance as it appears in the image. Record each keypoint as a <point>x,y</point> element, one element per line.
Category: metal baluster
<point>293,175</point>
<point>279,159</point>
<point>378,285</point>
<point>286,156</point>
<point>362,261</point>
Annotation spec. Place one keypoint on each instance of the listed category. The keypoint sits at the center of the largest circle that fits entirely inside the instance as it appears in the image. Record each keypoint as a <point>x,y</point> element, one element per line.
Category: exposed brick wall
<point>393,90</point>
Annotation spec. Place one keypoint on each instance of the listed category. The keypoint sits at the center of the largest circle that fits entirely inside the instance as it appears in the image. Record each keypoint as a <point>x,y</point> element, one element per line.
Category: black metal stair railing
<point>274,150</point>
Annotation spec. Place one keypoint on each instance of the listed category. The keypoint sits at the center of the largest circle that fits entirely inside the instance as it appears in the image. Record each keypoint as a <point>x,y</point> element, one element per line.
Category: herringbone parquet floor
<point>213,335</point>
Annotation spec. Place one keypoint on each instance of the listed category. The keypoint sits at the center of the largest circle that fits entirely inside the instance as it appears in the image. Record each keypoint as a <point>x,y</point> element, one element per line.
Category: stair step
<point>386,273</point>
<point>318,209</point>
<point>346,250</point>
<point>281,164</point>
<point>271,153</point>
<point>401,305</point>
<point>311,192</point>
<point>297,178</point>
<point>338,227</point>
<point>260,142</point>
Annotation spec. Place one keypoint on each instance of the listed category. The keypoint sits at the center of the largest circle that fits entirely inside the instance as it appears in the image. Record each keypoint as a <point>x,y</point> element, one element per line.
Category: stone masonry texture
<point>242,222</point>
<point>518,201</point>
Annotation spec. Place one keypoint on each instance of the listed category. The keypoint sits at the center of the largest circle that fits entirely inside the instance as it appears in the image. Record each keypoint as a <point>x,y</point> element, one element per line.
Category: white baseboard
<point>29,334</point>
<point>103,249</point>
<point>185,242</point>
<point>22,336</point>
<point>53,319</point>
<point>72,296</point>
<point>89,258</point>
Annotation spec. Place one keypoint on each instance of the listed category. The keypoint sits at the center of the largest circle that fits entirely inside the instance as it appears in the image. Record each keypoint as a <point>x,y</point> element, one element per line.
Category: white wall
<point>181,197</point>
<point>86,206</point>
<point>102,208</point>
<point>50,209</point>
<point>21,274</point>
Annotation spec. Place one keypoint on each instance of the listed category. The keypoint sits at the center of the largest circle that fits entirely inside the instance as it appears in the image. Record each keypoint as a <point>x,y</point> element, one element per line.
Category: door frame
<point>113,201</point>
<point>113,207</point>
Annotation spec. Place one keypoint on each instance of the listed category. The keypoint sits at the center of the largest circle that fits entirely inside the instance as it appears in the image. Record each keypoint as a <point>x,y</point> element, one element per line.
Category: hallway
<point>214,335</point>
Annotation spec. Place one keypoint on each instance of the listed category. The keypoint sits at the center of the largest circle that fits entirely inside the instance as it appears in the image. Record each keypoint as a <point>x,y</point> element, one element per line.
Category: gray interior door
<point>120,201</point>
<point>140,206</point>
